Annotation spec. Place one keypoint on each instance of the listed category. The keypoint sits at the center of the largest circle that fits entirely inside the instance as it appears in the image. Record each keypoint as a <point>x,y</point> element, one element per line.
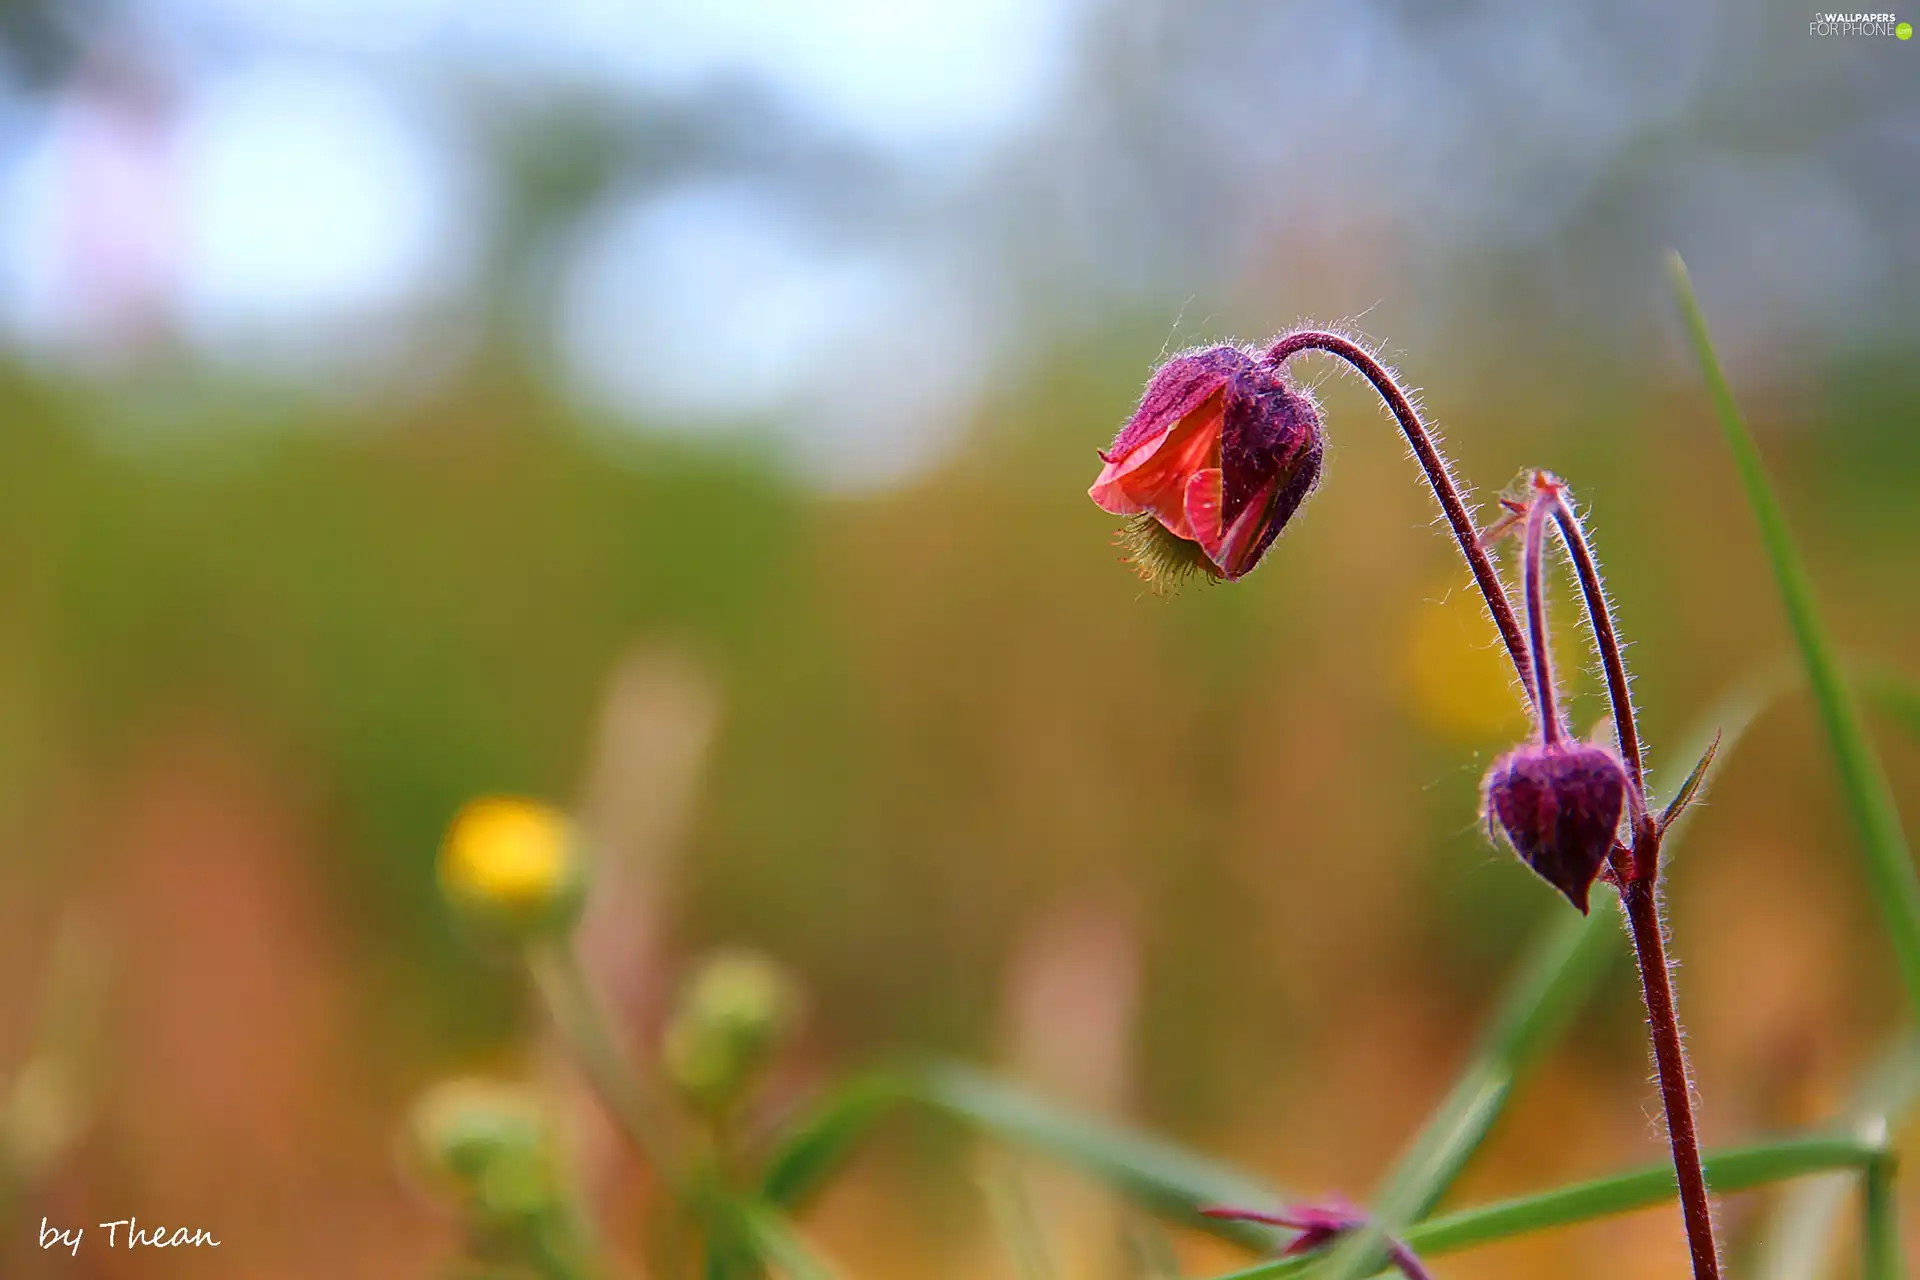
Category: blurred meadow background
<point>684,413</point>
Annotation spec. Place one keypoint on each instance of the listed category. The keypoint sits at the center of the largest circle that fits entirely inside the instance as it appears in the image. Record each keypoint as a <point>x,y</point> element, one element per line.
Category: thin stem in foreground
<point>1639,894</point>
<point>582,1025</point>
<point>1641,898</point>
<point>1880,1228</point>
<point>1427,452</point>
<point>1543,698</point>
<point>1600,616</point>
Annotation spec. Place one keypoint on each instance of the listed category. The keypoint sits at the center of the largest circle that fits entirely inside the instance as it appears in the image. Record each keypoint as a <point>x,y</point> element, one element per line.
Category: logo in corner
<point>1859,24</point>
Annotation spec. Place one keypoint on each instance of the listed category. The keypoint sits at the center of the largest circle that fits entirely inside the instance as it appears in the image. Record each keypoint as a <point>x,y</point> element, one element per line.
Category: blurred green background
<point>684,413</point>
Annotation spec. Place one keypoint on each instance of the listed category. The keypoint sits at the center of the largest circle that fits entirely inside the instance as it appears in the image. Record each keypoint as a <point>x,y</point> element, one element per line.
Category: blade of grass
<point>814,1146</point>
<point>1741,1169</point>
<point>1153,1173</point>
<point>1555,979</point>
<point>1880,1227</point>
<point>1889,862</point>
<point>777,1243</point>
<point>1174,1183</point>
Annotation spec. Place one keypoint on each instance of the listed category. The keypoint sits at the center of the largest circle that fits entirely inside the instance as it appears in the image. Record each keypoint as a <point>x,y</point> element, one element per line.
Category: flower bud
<point>732,1013</point>
<point>492,1151</point>
<point>1559,805</point>
<point>482,1143</point>
<point>1215,461</point>
<point>513,868</point>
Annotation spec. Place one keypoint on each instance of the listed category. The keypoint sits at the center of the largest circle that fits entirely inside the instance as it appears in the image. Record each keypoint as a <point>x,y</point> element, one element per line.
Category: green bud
<point>492,1151</point>
<point>733,1012</point>
<point>464,1133</point>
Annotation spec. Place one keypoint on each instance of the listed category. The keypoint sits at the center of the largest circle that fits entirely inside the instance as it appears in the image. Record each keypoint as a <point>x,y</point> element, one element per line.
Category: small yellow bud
<point>733,1012</point>
<point>514,867</point>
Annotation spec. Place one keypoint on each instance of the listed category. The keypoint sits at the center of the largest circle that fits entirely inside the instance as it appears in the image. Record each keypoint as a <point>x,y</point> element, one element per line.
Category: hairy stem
<point>1537,622</point>
<point>1438,475</point>
<point>1641,898</point>
<point>1639,894</point>
<point>1607,640</point>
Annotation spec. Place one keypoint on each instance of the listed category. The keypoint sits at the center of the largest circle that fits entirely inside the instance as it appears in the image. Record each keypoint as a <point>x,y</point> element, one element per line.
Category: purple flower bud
<point>1215,461</point>
<point>1559,804</point>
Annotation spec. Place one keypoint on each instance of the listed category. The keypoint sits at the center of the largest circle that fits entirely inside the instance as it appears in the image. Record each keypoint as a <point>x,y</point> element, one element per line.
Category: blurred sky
<point>831,223</point>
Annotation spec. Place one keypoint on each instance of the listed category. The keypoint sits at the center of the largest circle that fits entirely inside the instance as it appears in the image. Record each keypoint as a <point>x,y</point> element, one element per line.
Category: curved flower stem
<point>1600,615</point>
<point>1438,475</point>
<point>1537,620</point>
<point>1640,895</point>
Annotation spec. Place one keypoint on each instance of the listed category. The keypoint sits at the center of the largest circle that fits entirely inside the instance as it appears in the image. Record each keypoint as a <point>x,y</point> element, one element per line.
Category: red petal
<point>1228,547</point>
<point>1154,476</point>
<point>1203,510</point>
<point>1177,389</point>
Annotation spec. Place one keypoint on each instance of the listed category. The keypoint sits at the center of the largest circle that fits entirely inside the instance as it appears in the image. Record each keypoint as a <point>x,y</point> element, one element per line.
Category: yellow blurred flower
<point>1455,675</point>
<point>513,865</point>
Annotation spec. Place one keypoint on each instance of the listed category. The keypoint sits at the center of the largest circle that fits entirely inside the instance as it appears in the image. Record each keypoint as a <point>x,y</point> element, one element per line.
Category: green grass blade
<point>814,1147</point>
<point>1172,1182</point>
<point>1153,1173</point>
<point>1889,863</point>
<point>779,1245</point>
<point>1741,1169</point>
<point>1880,1229</point>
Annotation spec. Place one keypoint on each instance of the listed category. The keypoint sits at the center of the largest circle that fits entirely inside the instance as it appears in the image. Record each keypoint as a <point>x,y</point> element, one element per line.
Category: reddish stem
<point>1438,475</point>
<point>1535,552</point>
<point>1642,900</point>
<point>1640,895</point>
<point>1600,615</point>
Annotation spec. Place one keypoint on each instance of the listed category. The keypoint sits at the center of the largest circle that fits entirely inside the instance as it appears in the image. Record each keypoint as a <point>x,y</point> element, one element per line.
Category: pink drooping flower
<point>1215,461</point>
